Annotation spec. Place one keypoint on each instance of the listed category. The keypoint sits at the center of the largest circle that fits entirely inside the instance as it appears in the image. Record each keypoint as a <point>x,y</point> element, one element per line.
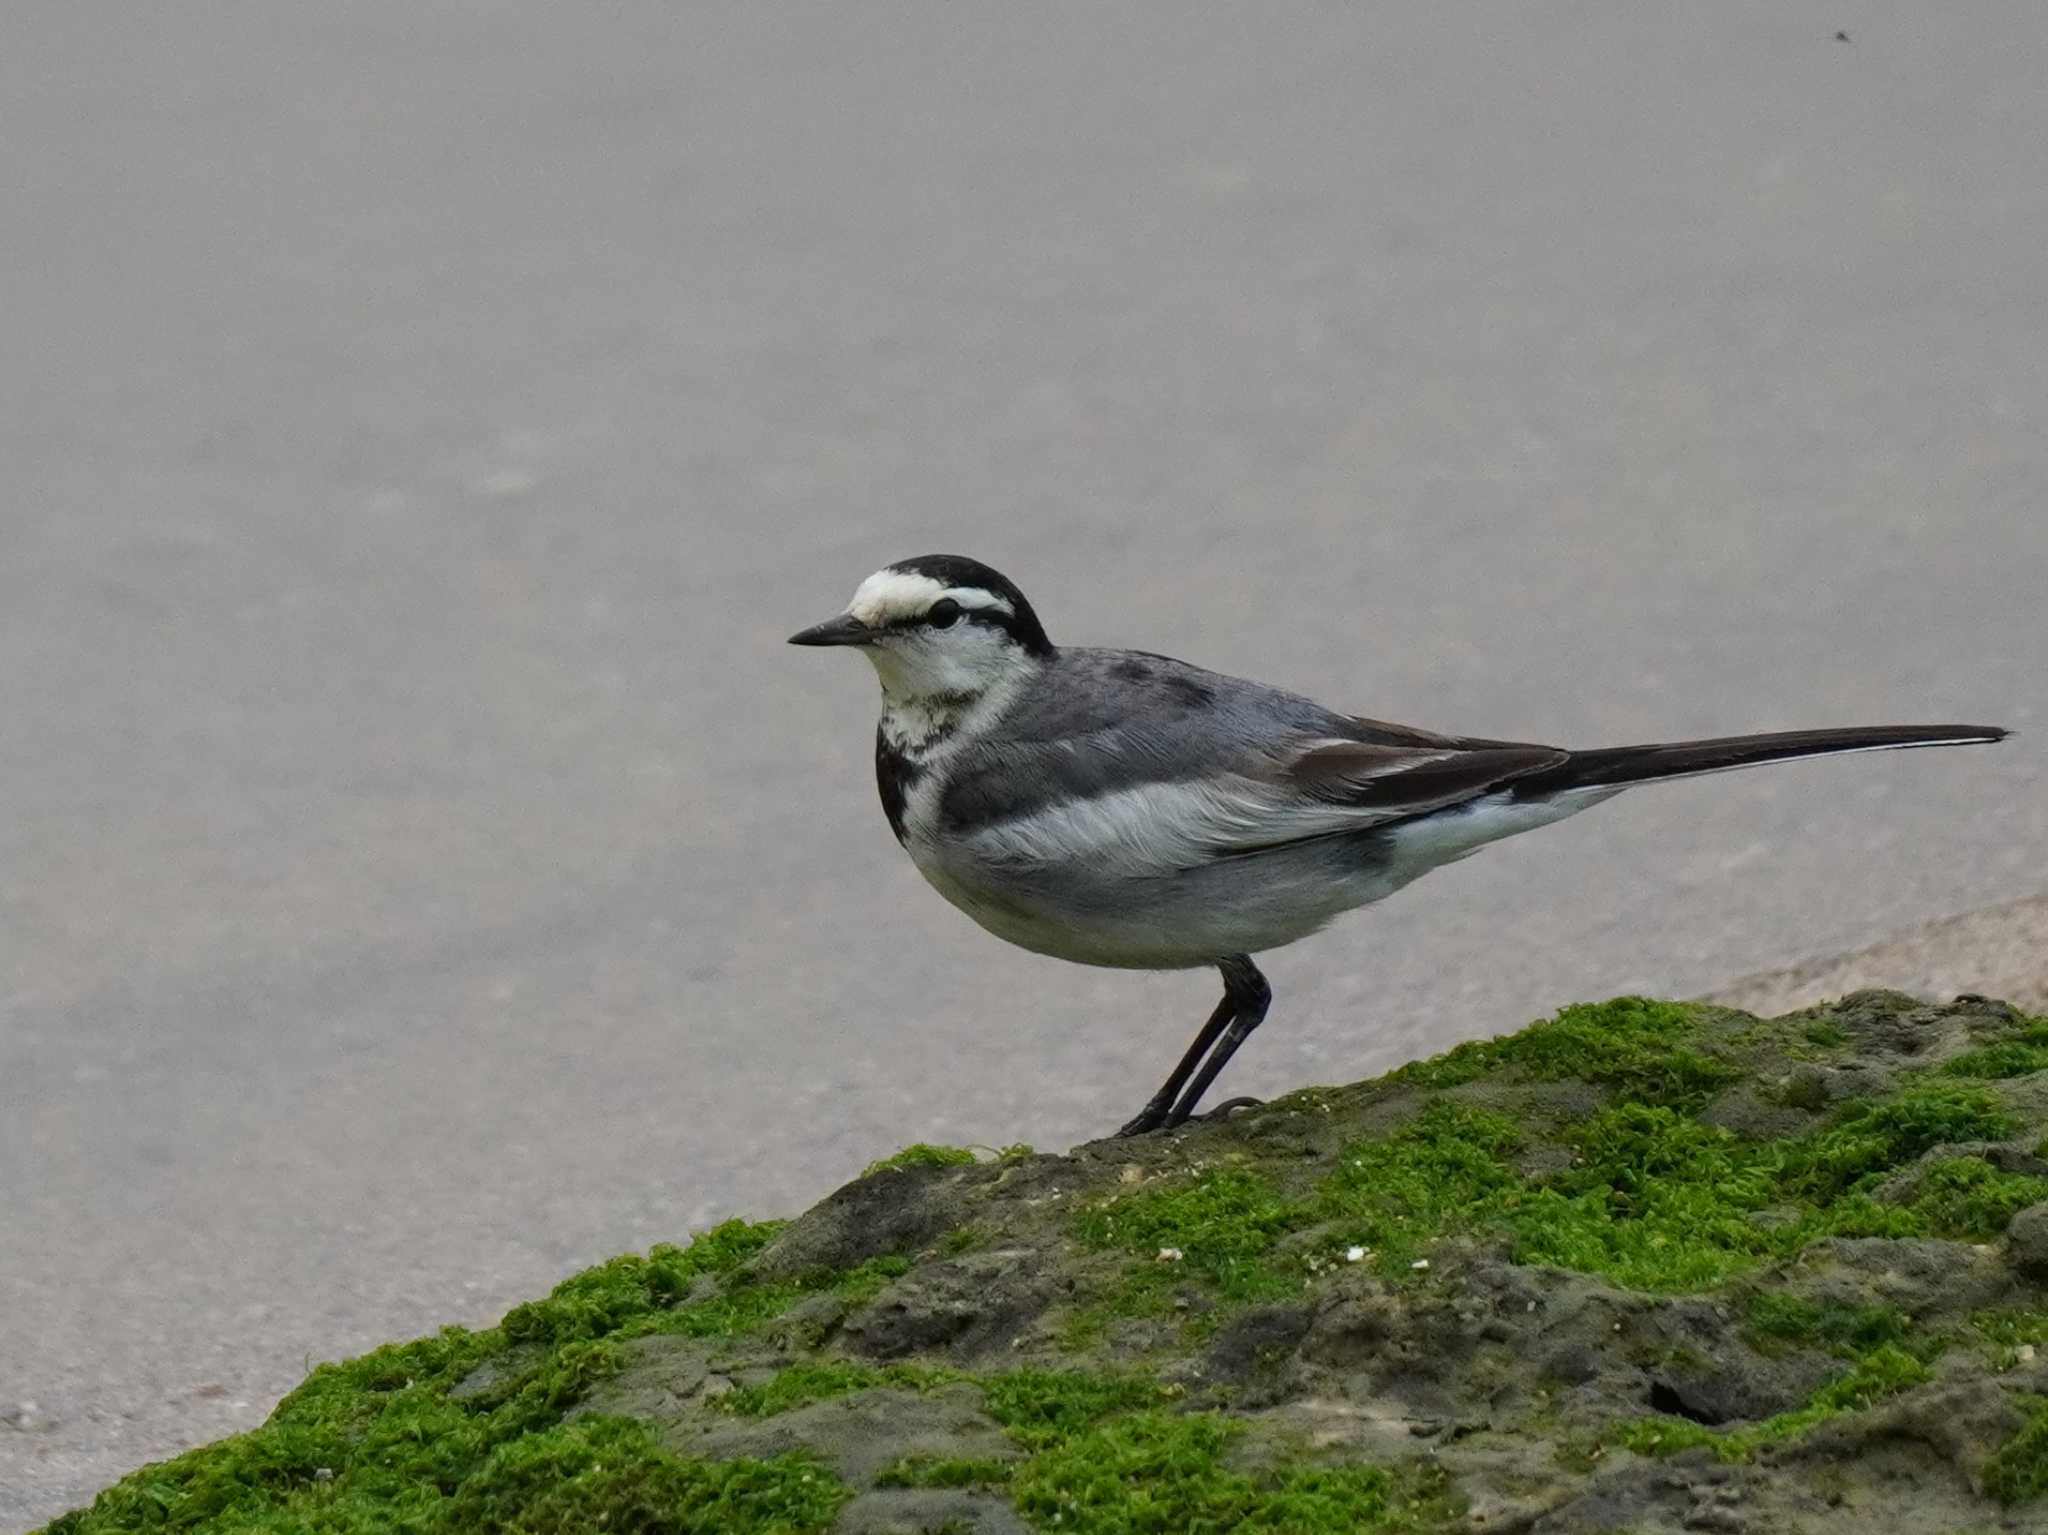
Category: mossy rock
<point>1643,1266</point>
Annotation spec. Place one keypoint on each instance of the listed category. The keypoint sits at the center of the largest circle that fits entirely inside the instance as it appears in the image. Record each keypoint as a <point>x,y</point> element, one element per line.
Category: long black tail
<point>1619,765</point>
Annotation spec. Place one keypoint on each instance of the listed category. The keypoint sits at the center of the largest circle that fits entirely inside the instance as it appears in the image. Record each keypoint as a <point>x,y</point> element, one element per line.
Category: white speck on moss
<point>1170,1255</point>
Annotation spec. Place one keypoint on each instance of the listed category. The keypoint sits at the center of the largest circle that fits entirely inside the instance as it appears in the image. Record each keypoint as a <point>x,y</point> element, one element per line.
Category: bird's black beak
<point>843,630</point>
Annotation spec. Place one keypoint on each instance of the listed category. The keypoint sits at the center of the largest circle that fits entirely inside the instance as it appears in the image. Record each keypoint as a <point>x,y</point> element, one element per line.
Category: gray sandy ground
<point>423,868</point>
<point>2001,951</point>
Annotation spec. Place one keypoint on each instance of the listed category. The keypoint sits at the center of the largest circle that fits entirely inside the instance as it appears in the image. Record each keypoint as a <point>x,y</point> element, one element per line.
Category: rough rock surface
<point>1643,1267</point>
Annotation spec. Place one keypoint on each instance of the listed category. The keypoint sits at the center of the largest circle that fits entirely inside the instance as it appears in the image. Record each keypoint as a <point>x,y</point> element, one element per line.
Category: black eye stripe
<point>947,612</point>
<point>994,618</point>
<point>957,573</point>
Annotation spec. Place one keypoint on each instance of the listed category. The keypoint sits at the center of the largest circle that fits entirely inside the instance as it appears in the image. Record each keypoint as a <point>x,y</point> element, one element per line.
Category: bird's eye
<point>944,613</point>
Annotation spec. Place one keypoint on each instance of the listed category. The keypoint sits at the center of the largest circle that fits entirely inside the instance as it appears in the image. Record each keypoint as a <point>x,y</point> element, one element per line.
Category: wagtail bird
<point>1114,807</point>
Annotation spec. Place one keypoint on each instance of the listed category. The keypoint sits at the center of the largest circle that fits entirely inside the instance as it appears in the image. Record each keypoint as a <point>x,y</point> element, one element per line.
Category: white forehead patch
<point>892,596</point>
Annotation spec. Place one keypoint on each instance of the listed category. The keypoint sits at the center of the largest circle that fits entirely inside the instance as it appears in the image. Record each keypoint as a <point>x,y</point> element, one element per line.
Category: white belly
<point>1094,912</point>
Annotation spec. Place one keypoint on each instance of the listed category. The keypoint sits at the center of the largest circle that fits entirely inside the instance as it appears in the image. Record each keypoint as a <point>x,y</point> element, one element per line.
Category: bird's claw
<point>1158,1116</point>
<point>1151,1117</point>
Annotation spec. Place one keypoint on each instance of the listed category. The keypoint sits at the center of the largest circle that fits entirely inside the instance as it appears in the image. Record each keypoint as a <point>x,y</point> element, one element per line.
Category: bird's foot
<point>1149,1118</point>
<point>1160,1116</point>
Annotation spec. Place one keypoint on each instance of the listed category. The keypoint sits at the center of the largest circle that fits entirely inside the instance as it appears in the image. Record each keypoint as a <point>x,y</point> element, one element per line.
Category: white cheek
<point>891,666</point>
<point>912,664</point>
<point>968,659</point>
<point>944,667</point>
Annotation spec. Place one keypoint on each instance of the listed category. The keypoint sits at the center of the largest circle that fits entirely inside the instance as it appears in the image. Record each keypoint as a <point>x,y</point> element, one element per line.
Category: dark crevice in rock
<point>1667,1398</point>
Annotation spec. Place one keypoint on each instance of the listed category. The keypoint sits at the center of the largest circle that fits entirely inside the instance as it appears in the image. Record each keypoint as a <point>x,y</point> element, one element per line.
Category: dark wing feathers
<point>1386,733</point>
<point>1408,780</point>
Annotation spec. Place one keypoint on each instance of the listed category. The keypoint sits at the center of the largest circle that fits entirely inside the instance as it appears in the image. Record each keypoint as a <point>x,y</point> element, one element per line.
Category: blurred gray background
<point>427,871</point>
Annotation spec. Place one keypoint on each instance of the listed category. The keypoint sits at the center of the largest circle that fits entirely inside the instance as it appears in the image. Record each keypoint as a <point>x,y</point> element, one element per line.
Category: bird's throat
<point>917,726</point>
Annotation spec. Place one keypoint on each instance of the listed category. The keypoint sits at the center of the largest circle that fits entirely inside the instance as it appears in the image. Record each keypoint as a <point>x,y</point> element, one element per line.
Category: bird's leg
<point>1248,996</point>
<point>1160,1104</point>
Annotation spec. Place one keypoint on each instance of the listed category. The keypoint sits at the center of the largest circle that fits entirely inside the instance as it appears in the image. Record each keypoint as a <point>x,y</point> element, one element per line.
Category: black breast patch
<point>895,774</point>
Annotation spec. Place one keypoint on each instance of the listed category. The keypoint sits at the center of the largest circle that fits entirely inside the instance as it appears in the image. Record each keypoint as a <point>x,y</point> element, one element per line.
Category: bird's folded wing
<point>1387,733</point>
<point>1366,784</point>
<point>1407,780</point>
<point>1320,788</point>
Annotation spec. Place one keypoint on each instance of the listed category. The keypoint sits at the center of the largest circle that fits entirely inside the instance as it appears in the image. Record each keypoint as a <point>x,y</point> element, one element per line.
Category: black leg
<point>1248,995</point>
<point>1154,1113</point>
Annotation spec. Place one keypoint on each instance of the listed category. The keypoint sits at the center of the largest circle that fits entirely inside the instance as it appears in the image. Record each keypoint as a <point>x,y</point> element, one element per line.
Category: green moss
<point>1880,1373</point>
<point>738,1309</point>
<point>1039,1408</point>
<point>2017,1055</point>
<point>743,1305</point>
<point>377,1444</point>
<point>2011,1326</point>
<point>1868,1139</point>
<point>919,1154</point>
<point>1650,1052</point>
<point>1777,1318</point>
<point>1824,1032</point>
<point>1655,1201</point>
<point>1106,1457</point>
<point>610,1474</point>
<point>1666,1436</point>
<point>1223,1221</point>
<point>370,1442</point>
<point>1970,1200</point>
<point>1443,1172</point>
<point>1393,1195</point>
<point>602,1300</point>
<point>944,1471</point>
<point>1858,1215</point>
<point>2006,1330</point>
<point>1161,1472</point>
<point>1659,1201</point>
<point>799,1385</point>
<point>862,1282</point>
<point>2018,1469</point>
